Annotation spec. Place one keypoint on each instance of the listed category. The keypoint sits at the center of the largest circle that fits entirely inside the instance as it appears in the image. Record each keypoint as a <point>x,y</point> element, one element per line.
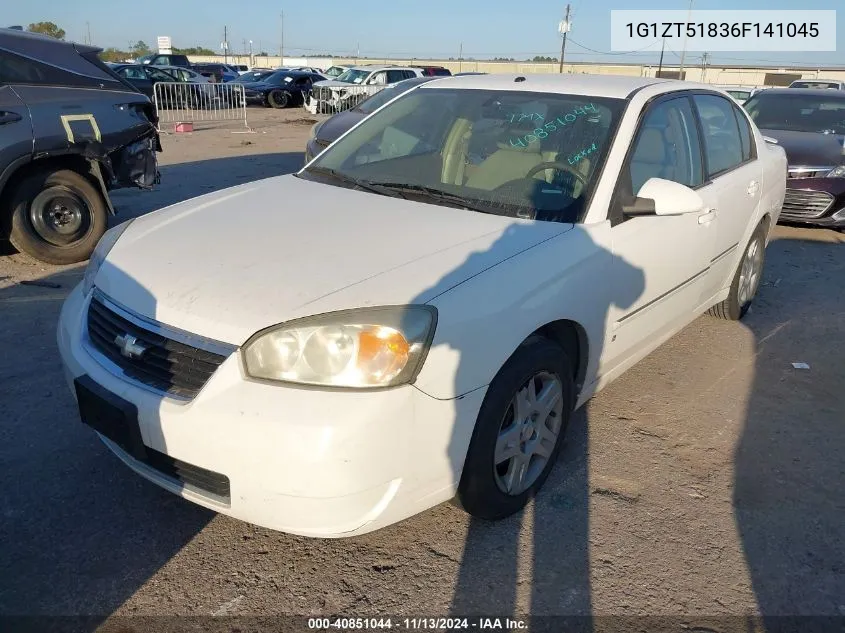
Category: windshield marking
<point>543,132</point>
<point>578,157</point>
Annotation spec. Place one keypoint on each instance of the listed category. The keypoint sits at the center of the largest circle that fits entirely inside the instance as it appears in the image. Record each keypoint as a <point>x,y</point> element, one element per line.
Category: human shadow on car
<point>535,562</point>
<point>789,488</point>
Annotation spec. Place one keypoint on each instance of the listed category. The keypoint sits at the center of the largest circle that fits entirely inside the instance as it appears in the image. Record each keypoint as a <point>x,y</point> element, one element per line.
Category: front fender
<point>482,321</point>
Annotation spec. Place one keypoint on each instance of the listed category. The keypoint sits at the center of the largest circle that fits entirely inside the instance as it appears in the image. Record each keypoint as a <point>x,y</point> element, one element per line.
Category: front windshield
<point>334,71</point>
<point>353,76</point>
<point>798,112</point>
<point>252,76</point>
<point>525,154</point>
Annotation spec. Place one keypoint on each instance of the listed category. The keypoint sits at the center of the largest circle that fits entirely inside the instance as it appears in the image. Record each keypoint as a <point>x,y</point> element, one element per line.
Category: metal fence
<point>333,99</point>
<point>182,102</point>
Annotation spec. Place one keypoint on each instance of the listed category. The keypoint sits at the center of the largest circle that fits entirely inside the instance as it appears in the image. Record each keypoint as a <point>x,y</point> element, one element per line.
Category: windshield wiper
<point>437,194</point>
<point>361,184</point>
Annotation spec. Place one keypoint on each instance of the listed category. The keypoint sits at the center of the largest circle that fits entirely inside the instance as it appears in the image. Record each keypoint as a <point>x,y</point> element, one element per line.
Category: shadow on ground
<point>789,495</point>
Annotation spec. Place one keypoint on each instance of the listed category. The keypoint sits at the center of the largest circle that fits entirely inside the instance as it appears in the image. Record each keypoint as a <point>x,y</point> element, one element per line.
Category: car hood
<point>332,128</point>
<point>809,148</point>
<point>233,262</point>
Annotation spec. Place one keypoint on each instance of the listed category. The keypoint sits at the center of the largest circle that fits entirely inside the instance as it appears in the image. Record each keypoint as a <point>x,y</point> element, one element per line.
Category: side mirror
<point>664,197</point>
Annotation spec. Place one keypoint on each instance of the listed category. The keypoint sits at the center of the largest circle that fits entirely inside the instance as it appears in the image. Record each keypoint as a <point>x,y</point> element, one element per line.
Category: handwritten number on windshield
<point>554,125</point>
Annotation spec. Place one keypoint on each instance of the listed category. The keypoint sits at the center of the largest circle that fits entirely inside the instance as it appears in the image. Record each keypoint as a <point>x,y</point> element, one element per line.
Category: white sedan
<point>415,315</point>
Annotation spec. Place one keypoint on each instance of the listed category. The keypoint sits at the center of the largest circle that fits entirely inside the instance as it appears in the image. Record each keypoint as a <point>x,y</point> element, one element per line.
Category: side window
<point>158,75</point>
<point>667,146</point>
<point>722,144</point>
<point>130,72</point>
<point>395,75</point>
<point>15,69</point>
<point>745,136</point>
<point>378,79</point>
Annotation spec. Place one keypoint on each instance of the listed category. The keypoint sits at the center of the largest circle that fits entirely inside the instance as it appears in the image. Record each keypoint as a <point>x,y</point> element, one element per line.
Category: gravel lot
<point>708,481</point>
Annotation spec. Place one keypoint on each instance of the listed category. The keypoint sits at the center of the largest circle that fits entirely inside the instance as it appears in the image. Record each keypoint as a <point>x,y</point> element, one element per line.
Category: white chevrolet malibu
<point>415,315</point>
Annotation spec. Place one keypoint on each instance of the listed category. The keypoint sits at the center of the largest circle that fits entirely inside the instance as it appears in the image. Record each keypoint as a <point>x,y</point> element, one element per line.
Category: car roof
<point>823,80</point>
<point>817,92</point>
<point>376,68</point>
<point>614,86</point>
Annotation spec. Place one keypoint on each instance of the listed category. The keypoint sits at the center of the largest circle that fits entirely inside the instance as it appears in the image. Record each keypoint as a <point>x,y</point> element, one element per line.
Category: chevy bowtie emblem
<point>129,346</point>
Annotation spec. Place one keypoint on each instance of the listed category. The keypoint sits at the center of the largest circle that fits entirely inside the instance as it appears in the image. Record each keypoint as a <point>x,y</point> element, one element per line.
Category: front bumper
<point>299,460</point>
<point>814,201</point>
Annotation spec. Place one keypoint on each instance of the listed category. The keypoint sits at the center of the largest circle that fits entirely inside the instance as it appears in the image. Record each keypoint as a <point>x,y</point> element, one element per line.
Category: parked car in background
<point>335,71</point>
<point>160,59</point>
<point>281,89</point>
<point>241,68</point>
<point>353,86</point>
<point>819,84</point>
<point>740,94</point>
<point>252,76</point>
<point>71,130</point>
<point>302,69</point>
<point>221,72</point>
<point>327,132</point>
<point>180,93</point>
<point>433,71</point>
<point>810,126</point>
<point>417,313</point>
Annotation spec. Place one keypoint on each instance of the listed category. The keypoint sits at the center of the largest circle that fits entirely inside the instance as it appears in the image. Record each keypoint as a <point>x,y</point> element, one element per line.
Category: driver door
<point>672,251</point>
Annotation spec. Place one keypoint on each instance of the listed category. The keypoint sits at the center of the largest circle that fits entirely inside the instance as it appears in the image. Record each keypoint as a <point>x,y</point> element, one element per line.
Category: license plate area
<point>110,415</point>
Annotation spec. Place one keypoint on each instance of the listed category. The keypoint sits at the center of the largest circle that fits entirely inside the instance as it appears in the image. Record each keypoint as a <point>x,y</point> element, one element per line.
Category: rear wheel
<point>56,217</point>
<point>746,280</point>
<point>519,431</point>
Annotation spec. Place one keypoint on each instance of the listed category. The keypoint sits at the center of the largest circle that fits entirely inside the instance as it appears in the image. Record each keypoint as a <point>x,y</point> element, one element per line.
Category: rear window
<point>815,84</point>
<point>436,72</point>
<point>15,69</point>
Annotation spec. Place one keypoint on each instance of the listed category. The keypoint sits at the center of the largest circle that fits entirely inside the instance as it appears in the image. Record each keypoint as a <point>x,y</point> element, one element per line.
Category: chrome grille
<point>802,204</point>
<point>808,172</point>
<point>165,365</point>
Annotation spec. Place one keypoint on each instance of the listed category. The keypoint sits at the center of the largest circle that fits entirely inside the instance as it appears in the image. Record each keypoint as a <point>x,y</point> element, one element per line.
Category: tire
<point>278,99</point>
<point>741,295</point>
<point>482,491</point>
<point>56,217</point>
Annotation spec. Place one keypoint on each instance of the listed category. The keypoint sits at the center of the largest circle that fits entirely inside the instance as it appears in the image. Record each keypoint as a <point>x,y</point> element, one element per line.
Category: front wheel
<point>519,431</point>
<point>746,280</point>
<point>278,99</point>
<point>56,217</point>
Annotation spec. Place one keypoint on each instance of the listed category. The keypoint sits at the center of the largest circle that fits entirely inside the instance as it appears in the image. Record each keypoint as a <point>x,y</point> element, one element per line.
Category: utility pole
<point>564,29</point>
<point>88,26</point>
<point>282,44</point>
<point>704,66</point>
<point>660,65</point>
<point>225,44</point>
<point>684,49</point>
<point>461,57</point>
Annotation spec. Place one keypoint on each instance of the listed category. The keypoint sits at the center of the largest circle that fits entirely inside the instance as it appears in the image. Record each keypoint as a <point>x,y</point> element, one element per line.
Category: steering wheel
<point>558,167</point>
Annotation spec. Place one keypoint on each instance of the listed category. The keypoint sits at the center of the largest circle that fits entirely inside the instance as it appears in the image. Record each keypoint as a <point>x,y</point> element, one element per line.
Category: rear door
<point>15,129</point>
<point>733,180</point>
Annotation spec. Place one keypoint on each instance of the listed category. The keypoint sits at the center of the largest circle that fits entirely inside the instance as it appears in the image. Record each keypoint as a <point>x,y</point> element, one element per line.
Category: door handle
<point>9,117</point>
<point>707,217</point>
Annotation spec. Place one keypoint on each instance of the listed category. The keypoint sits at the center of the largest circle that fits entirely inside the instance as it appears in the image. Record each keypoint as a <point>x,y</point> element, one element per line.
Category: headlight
<point>105,244</point>
<point>837,172</point>
<point>365,348</point>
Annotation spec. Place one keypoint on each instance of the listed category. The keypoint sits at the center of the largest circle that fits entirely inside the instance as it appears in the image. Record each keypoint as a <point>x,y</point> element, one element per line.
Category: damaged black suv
<point>70,131</point>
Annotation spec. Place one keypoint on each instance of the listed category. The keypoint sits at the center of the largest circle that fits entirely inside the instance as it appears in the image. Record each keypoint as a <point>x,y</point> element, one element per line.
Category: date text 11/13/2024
<point>417,624</point>
<point>544,129</point>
